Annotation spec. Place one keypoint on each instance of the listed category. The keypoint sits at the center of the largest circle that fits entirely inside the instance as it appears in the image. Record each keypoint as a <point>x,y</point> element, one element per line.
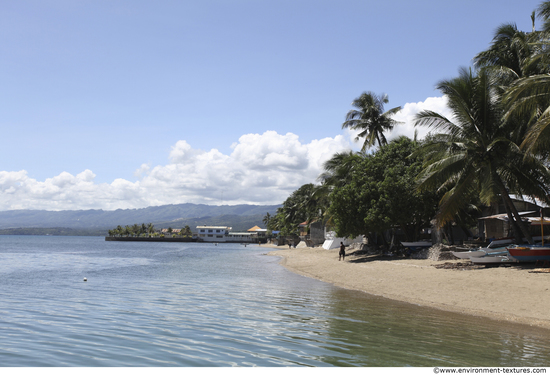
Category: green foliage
<point>296,209</point>
<point>381,193</point>
<point>186,231</point>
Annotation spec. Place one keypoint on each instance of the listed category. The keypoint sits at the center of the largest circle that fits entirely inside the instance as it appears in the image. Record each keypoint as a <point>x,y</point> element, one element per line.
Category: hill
<point>240,217</point>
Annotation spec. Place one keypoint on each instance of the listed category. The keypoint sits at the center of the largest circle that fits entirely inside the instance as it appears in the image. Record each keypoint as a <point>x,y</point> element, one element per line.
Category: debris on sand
<point>461,266</point>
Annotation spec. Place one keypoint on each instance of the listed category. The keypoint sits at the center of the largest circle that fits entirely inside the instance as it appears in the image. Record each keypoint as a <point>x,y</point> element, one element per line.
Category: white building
<point>212,233</point>
<point>221,234</point>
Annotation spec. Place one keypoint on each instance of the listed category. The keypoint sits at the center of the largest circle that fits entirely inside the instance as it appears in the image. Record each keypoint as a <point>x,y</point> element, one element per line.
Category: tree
<point>511,56</point>
<point>337,172</point>
<point>381,194</point>
<point>267,219</point>
<point>543,11</point>
<point>370,119</point>
<point>294,211</point>
<point>337,169</point>
<point>186,231</point>
<point>524,62</point>
<point>476,152</point>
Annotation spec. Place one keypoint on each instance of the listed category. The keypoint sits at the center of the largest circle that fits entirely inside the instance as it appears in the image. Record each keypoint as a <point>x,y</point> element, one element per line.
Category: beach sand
<point>513,294</point>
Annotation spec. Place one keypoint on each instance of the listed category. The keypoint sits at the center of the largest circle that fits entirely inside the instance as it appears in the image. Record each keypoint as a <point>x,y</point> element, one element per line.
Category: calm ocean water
<point>177,304</point>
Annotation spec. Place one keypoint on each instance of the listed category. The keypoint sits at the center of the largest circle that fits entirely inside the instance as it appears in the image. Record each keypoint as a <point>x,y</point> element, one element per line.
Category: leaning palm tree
<point>475,152</point>
<point>337,172</point>
<point>543,12</point>
<point>370,119</point>
<point>528,97</point>
<point>338,168</point>
<point>512,55</point>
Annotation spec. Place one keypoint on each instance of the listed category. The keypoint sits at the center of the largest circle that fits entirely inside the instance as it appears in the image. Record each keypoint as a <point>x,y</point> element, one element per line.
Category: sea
<point>224,305</point>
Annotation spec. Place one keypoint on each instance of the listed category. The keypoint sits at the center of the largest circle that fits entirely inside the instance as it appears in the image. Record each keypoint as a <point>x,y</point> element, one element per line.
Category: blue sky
<point>121,104</point>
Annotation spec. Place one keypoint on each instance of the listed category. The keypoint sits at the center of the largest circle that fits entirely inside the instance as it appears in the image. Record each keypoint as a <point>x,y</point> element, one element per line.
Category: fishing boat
<point>530,253</point>
<point>464,254</point>
<point>494,259</point>
<point>494,246</point>
<point>500,242</point>
<point>481,252</point>
<point>417,245</point>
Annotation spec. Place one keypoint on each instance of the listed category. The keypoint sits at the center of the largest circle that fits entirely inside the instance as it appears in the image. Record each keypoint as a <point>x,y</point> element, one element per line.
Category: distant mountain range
<point>97,222</point>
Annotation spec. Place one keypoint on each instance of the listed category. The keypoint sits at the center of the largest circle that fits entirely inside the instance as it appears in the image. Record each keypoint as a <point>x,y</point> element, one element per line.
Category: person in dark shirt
<point>342,252</point>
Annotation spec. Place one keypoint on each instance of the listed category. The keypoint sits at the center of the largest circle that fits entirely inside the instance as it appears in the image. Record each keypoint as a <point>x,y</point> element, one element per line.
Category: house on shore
<point>223,234</point>
<point>495,224</point>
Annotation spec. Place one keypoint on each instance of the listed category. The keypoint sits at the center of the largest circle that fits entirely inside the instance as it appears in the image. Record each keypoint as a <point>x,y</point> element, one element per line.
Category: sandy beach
<point>503,293</point>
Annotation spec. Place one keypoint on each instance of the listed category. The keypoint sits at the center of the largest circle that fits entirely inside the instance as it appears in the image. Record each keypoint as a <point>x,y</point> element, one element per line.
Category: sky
<point>117,104</point>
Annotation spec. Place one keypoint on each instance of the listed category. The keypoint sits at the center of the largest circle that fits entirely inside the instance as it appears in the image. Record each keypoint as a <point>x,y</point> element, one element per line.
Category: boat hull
<point>417,245</point>
<point>482,252</point>
<point>529,253</point>
<point>497,259</point>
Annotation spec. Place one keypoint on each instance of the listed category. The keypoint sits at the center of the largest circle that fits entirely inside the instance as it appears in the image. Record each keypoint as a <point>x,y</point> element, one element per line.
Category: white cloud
<point>261,169</point>
<point>409,111</point>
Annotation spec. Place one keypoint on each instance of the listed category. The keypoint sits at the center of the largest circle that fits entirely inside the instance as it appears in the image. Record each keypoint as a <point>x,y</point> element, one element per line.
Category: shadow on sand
<point>360,256</point>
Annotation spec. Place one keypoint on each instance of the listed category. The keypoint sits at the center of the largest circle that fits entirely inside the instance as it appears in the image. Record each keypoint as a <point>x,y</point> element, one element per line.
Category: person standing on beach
<point>342,254</point>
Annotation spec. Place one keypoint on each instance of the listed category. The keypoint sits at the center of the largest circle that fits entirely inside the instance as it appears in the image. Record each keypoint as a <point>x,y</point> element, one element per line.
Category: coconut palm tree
<point>337,169</point>
<point>527,96</point>
<point>475,153</point>
<point>512,55</point>
<point>543,12</point>
<point>370,119</point>
<point>337,172</point>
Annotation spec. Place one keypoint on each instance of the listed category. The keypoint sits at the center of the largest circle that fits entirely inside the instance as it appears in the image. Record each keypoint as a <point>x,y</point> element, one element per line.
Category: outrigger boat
<point>417,245</point>
<point>530,253</point>
<point>493,248</point>
<point>481,252</point>
<point>495,259</point>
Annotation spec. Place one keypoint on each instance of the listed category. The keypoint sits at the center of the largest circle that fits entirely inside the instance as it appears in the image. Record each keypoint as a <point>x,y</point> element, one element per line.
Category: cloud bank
<point>261,169</point>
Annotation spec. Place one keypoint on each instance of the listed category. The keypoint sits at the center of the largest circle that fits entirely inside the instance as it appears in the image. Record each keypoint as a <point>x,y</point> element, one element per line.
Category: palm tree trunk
<point>508,202</point>
<point>515,228</point>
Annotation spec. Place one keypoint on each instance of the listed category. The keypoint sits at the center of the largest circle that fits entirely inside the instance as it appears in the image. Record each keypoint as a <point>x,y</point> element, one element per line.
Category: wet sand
<point>513,294</point>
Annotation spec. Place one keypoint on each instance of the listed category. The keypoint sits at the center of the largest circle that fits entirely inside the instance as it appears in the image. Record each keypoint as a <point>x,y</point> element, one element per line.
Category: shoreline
<point>507,294</point>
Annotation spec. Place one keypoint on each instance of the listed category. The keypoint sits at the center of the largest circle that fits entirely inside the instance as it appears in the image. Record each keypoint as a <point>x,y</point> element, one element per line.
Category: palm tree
<point>370,119</point>
<point>516,59</point>
<point>475,153</point>
<point>150,229</point>
<point>337,172</point>
<point>338,168</point>
<point>512,55</point>
<point>543,12</point>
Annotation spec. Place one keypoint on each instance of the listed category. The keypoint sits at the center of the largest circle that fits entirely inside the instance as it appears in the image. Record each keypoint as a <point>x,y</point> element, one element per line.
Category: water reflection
<point>380,332</point>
